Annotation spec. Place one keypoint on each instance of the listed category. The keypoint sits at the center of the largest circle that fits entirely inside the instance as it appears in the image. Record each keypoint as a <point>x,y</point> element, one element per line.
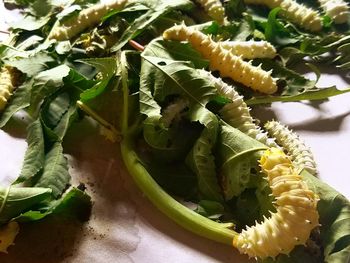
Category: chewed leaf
<point>107,67</point>
<point>17,200</point>
<point>334,210</point>
<point>8,234</point>
<point>312,94</point>
<point>55,172</point>
<point>201,159</point>
<point>237,156</point>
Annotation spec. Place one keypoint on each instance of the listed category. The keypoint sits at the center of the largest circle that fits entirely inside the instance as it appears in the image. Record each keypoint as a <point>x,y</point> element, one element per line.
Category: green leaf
<point>312,94</point>
<point>55,173</point>
<point>157,9</point>
<point>334,211</point>
<point>30,23</point>
<point>75,203</point>
<point>107,68</point>
<point>237,155</point>
<point>18,101</point>
<point>175,50</point>
<point>16,200</point>
<point>35,154</point>
<point>294,83</point>
<point>201,158</point>
<point>276,32</point>
<point>46,83</point>
<point>31,65</point>
<point>179,77</point>
<point>210,209</point>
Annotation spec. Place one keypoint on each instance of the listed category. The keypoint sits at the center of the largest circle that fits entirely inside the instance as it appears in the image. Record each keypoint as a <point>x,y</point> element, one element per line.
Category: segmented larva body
<point>86,18</point>
<point>6,86</point>
<point>297,13</point>
<point>296,213</point>
<point>337,10</point>
<point>173,111</point>
<point>300,154</point>
<point>236,113</point>
<point>215,9</point>
<point>223,60</point>
<point>250,49</point>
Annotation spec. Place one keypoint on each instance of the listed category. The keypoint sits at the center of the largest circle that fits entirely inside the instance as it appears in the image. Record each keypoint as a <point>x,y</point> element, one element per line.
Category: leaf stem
<point>125,89</point>
<point>136,45</point>
<point>182,215</point>
<point>99,119</point>
<point>4,32</point>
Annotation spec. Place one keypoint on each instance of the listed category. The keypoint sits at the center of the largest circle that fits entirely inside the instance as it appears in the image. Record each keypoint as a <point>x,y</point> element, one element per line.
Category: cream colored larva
<point>223,60</point>
<point>300,154</point>
<point>250,49</point>
<point>236,113</point>
<point>214,9</point>
<point>296,213</point>
<point>297,13</point>
<point>85,19</point>
<point>337,10</point>
<point>6,86</point>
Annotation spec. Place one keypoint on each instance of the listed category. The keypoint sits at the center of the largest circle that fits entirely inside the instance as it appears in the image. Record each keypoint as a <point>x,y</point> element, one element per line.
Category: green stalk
<point>182,215</point>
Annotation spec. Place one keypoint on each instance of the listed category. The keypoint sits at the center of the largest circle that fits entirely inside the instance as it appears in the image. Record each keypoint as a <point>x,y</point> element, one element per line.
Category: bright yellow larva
<point>6,86</point>
<point>337,10</point>
<point>250,49</point>
<point>86,18</point>
<point>223,60</point>
<point>296,213</point>
<point>297,13</point>
<point>214,8</point>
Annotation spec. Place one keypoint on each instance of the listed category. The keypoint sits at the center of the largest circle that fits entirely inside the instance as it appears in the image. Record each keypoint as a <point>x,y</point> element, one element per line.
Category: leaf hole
<point>161,63</point>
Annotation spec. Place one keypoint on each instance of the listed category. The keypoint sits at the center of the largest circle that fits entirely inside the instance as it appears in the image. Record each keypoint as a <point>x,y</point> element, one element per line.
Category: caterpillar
<point>250,49</point>
<point>223,60</point>
<point>173,111</point>
<point>296,211</point>
<point>236,113</point>
<point>215,10</point>
<point>299,14</point>
<point>337,10</point>
<point>86,18</point>
<point>296,149</point>
<point>6,86</point>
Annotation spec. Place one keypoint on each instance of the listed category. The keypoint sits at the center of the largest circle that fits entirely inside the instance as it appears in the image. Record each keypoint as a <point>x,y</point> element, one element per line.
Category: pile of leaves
<point>129,80</point>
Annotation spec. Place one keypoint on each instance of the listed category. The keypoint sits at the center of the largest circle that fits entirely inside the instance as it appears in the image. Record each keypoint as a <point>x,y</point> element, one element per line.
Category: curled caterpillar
<point>86,18</point>
<point>6,86</point>
<point>296,213</point>
<point>250,49</point>
<point>301,155</point>
<point>337,10</point>
<point>297,13</point>
<point>223,60</point>
<point>236,113</point>
<point>214,9</point>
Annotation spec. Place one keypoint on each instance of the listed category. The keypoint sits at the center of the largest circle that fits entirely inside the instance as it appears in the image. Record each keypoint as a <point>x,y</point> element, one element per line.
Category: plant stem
<point>99,119</point>
<point>182,215</point>
<point>136,45</point>
<point>4,32</point>
<point>125,89</point>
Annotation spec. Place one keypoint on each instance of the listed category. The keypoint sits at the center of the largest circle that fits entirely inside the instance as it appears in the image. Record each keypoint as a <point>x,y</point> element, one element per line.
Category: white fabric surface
<point>125,226</point>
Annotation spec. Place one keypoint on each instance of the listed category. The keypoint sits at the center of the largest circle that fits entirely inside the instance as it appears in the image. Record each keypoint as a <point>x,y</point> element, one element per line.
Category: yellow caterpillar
<point>6,86</point>
<point>337,10</point>
<point>86,18</point>
<point>296,213</point>
<point>297,13</point>
<point>223,60</point>
<point>214,9</point>
<point>296,149</point>
<point>250,49</point>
